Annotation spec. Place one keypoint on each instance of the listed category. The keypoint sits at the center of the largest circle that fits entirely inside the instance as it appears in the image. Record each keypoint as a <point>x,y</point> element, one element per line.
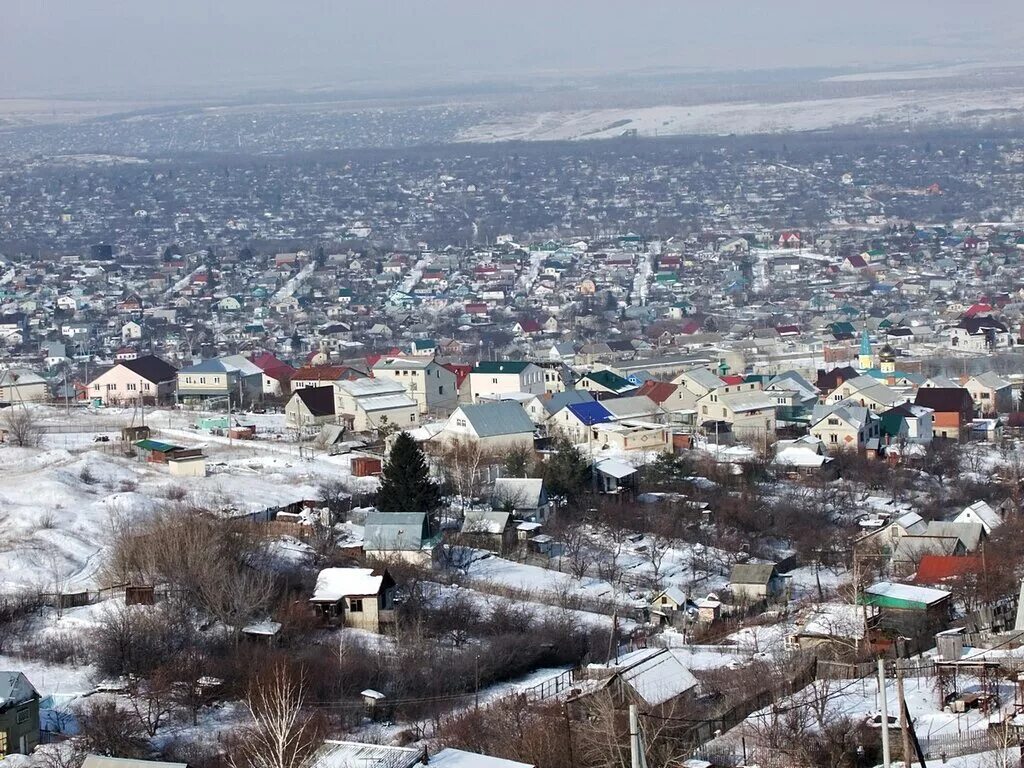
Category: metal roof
<point>494,419</point>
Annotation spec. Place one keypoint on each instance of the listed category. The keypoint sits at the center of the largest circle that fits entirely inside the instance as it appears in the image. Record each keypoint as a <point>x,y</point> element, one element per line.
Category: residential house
<point>500,426</point>
<point>835,629</point>
<point>234,377</point>
<point>361,598</point>
<point>397,535</point>
<point>750,414</point>
<point>845,426</point>
<point>369,404</point>
<point>426,381</point>
<point>309,407</point>
<point>604,383</point>
<point>492,529</point>
<point>525,497</point>
<point>992,394</point>
<point>19,715</point>
<point>980,512</point>
<point>953,410</point>
<point>493,378</point>
<point>750,582</point>
<point>319,375</point>
<point>146,379</point>
<point>805,455</point>
<point>981,333</point>
<point>907,423</point>
<point>655,678</point>
<point>277,374</point>
<point>542,407</point>
<point>22,385</point>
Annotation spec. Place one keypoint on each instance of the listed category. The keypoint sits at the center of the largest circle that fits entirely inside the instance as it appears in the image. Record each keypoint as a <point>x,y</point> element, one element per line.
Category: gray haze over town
<point>511,385</point>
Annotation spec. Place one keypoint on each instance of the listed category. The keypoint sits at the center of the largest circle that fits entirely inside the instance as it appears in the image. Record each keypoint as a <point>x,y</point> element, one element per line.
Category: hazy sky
<point>157,47</point>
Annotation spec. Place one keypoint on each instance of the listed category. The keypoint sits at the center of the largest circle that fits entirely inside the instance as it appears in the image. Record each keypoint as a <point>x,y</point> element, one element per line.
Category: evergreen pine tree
<point>405,484</point>
<point>566,472</point>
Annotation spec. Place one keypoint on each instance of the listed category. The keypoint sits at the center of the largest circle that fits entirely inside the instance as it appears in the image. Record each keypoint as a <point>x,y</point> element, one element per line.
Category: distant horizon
<point>116,49</point>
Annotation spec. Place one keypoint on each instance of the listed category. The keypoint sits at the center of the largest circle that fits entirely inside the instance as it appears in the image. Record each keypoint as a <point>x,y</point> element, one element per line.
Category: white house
<point>425,380</point>
<point>490,378</point>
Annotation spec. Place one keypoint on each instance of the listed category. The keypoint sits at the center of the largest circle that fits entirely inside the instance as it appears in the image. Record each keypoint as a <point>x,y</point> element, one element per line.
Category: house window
<point>145,386</point>
<point>440,390</point>
<point>833,422</point>
<point>111,387</point>
<point>494,380</point>
<point>202,379</point>
<point>131,387</point>
<point>833,438</point>
<point>96,387</point>
<point>460,422</point>
<point>355,606</point>
<point>23,715</point>
<point>3,743</point>
<point>412,417</point>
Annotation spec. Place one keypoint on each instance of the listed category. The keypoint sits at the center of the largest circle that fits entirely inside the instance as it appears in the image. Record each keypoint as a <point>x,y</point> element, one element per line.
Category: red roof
<point>461,371</point>
<point>658,391</point>
<point>270,365</point>
<point>978,309</point>
<point>530,326</point>
<point>327,373</point>
<point>934,569</point>
<point>732,381</point>
<point>856,260</point>
<point>787,330</point>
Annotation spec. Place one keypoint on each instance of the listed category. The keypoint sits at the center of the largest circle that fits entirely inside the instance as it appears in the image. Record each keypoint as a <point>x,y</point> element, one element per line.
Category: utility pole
<point>637,759</point>
<point>904,730</point>
<point>886,759</point>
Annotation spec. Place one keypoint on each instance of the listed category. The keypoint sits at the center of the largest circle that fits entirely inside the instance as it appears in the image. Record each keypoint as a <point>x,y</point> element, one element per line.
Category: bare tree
<point>22,427</point>
<point>282,734</point>
<point>152,700</point>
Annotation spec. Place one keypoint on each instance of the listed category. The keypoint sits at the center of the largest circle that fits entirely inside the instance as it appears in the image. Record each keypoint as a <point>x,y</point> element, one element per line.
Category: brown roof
<point>945,399</point>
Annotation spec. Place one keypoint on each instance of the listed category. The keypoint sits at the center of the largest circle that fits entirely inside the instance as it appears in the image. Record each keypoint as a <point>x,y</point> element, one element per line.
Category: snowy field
<point>900,108</point>
<point>60,502</point>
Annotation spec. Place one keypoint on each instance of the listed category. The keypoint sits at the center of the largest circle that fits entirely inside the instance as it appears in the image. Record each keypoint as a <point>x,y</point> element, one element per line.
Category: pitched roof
<point>946,400</point>
<point>751,573</point>
<point>151,368</point>
<point>934,569</point>
<point>590,413</point>
<point>15,688</point>
<point>555,402</point>
<point>332,584</point>
<point>658,391</point>
<point>609,380</point>
<point>318,400</point>
<point>492,367</point>
<point>504,417</point>
<point>395,531</point>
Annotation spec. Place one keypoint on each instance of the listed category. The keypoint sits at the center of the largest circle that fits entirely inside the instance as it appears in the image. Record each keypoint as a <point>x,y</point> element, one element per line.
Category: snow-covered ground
<point>58,503</point>
<point>898,108</point>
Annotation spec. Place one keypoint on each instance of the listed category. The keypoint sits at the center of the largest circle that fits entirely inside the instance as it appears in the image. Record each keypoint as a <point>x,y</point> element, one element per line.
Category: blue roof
<point>590,413</point>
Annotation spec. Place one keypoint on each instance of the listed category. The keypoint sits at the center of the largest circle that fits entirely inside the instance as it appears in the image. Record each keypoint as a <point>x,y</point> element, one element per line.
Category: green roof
<point>609,380</point>
<point>500,366</point>
<point>156,446</point>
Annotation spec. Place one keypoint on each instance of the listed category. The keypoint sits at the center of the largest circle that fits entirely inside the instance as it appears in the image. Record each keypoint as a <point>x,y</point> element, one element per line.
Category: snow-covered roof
<point>15,688</point>
<point>615,468</point>
<point>907,592</point>
<point>980,512</point>
<point>354,754</point>
<point>333,584</point>
<point>369,387</point>
<point>457,758</point>
<point>656,674</point>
